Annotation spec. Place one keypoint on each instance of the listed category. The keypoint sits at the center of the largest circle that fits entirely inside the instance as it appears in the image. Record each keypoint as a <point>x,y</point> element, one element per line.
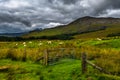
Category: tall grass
<point>106,57</point>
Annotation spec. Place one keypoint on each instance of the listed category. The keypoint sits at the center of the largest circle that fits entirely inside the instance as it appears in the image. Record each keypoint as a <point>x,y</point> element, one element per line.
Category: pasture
<point>102,52</point>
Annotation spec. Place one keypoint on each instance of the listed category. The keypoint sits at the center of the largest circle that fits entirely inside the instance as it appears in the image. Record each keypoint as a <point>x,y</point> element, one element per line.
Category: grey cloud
<point>42,13</point>
<point>101,6</point>
<point>69,1</point>
<point>113,3</point>
<point>12,27</point>
<point>65,1</point>
<point>11,18</point>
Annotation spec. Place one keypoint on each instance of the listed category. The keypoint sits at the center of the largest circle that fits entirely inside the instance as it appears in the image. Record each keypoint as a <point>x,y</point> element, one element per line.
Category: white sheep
<point>61,43</point>
<point>49,42</point>
<point>30,42</point>
<point>99,39</point>
<point>40,44</point>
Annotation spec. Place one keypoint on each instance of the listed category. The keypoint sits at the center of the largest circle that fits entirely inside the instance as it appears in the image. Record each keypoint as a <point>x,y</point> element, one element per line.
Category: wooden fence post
<point>84,63</point>
<point>46,55</point>
<point>24,55</point>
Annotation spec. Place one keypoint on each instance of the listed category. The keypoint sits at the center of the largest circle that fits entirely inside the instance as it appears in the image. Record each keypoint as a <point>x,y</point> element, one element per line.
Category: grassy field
<point>103,52</point>
<point>67,69</point>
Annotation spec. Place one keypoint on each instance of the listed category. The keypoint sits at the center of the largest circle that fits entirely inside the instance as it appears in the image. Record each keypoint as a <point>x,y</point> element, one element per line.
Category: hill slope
<point>86,27</point>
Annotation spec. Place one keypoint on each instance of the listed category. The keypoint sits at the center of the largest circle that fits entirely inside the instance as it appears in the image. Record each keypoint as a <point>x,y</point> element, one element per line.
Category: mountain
<point>19,34</point>
<point>85,27</point>
<point>13,34</point>
<point>36,30</point>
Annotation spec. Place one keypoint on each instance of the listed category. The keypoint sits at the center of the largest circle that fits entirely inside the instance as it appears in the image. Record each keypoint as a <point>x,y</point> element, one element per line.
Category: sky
<point>25,15</point>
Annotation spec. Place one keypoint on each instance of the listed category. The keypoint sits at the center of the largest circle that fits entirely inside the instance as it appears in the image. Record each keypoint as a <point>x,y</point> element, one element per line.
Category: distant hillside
<point>19,34</point>
<point>86,27</point>
<point>12,34</point>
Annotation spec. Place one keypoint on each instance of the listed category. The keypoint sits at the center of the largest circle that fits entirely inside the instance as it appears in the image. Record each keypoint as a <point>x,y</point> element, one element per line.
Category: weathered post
<point>84,63</point>
<point>46,57</point>
<point>24,55</point>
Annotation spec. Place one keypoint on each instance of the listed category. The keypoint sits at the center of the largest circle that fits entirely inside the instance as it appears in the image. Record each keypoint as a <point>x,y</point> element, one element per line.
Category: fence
<point>85,62</point>
<point>51,56</point>
<point>48,57</point>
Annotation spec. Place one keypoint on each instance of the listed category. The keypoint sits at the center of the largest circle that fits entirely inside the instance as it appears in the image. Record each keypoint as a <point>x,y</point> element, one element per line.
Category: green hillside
<point>86,27</point>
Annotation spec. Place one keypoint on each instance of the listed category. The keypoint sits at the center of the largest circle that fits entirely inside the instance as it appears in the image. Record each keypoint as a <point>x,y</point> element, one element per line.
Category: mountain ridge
<point>81,26</point>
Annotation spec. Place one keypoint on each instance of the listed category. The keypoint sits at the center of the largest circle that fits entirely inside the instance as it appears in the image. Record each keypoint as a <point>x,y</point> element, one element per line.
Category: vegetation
<point>22,59</point>
<point>67,69</point>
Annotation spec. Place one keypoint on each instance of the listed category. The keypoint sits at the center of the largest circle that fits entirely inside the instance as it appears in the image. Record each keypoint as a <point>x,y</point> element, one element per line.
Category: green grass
<point>30,71</point>
<point>19,70</point>
<point>66,69</point>
<point>110,43</point>
<point>98,51</point>
<point>105,43</point>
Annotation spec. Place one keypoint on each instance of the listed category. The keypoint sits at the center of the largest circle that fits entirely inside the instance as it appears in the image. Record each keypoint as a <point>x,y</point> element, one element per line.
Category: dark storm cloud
<point>19,14</point>
<point>65,1</point>
<point>10,18</point>
<point>113,3</point>
<point>106,5</point>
